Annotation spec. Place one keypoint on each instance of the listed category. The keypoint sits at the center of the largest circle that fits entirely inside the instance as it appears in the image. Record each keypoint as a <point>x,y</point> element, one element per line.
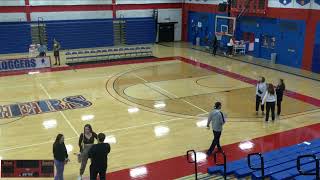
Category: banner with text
<point>24,64</point>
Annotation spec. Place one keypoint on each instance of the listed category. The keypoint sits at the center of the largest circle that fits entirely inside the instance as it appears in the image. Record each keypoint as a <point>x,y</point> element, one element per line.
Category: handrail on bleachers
<point>261,163</point>
<point>316,173</point>
<point>224,162</point>
<point>193,161</point>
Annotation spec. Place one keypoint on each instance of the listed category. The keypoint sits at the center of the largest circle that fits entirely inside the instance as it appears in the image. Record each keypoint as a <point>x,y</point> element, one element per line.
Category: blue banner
<point>24,64</point>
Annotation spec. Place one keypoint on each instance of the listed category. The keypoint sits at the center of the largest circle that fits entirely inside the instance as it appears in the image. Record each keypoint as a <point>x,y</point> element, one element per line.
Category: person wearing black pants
<point>260,92</point>
<point>214,45</point>
<point>270,99</point>
<point>279,91</point>
<point>99,158</point>
<point>216,118</point>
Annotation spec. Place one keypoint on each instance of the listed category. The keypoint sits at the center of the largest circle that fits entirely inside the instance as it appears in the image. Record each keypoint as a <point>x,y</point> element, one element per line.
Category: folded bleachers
<point>14,38</point>
<point>108,53</point>
<point>279,164</point>
<point>140,31</point>
<point>80,34</point>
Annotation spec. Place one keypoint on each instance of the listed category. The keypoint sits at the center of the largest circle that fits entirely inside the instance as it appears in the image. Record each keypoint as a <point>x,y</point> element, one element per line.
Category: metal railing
<point>193,161</point>
<point>261,163</point>
<point>224,164</point>
<point>317,174</point>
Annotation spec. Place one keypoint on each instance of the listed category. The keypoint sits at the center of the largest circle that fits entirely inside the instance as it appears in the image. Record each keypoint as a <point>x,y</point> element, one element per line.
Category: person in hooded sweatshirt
<point>261,89</point>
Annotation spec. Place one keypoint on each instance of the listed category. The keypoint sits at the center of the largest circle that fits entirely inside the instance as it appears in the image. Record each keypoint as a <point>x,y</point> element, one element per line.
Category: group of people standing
<point>271,96</point>
<point>265,94</point>
<point>230,45</point>
<point>98,153</point>
<point>42,49</point>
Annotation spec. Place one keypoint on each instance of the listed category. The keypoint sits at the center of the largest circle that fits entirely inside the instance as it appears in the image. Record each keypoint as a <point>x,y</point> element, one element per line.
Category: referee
<point>217,120</point>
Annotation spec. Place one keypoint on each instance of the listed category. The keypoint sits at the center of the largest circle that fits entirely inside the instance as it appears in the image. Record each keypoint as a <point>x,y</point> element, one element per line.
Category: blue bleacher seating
<point>15,38</point>
<point>80,34</point>
<point>108,53</point>
<point>279,164</point>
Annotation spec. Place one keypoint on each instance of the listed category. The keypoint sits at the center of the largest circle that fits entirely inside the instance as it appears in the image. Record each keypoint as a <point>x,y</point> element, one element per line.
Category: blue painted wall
<point>289,35</point>
<point>316,51</point>
<point>289,38</point>
<point>205,32</point>
<point>14,38</point>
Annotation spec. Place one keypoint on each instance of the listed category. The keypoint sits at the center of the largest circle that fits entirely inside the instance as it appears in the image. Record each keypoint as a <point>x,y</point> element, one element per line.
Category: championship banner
<point>24,64</point>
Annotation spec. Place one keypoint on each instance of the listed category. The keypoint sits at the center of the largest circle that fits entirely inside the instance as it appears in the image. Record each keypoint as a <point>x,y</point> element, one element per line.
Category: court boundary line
<point>295,95</point>
<point>169,93</point>
<point>254,64</point>
<point>219,71</point>
<point>61,112</point>
<point>105,131</point>
<point>84,66</point>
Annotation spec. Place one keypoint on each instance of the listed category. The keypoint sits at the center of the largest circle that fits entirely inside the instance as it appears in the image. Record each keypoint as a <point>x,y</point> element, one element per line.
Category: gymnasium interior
<point>147,74</point>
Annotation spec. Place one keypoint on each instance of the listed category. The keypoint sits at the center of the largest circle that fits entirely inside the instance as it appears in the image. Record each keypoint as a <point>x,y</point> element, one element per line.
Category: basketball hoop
<point>219,35</point>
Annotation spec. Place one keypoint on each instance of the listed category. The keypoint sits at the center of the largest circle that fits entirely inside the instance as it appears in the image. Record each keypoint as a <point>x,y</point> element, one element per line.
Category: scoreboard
<point>27,168</point>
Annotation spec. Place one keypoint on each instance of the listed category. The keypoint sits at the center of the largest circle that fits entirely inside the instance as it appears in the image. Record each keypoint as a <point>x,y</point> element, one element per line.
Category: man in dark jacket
<point>99,158</point>
<point>214,45</point>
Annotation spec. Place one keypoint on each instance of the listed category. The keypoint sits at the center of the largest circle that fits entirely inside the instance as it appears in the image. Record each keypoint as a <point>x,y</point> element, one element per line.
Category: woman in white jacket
<point>270,99</point>
<point>261,89</point>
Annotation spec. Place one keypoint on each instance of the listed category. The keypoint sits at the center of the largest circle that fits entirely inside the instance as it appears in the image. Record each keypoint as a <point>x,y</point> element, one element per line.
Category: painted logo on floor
<point>43,106</point>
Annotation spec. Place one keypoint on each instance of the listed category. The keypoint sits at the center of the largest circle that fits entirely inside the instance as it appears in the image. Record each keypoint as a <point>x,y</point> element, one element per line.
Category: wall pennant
<point>303,2</point>
<point>285,2</point>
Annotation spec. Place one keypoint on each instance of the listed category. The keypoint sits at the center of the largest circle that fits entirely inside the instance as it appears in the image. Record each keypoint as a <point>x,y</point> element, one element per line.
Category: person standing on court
<point>99,158</point>
<point>86,141</point>
<point>270,99</point>
<point>230,46</point>
<point>42,49</point>
<point>60,156</point>
<point>261,89</point>
<point>56,51</point>
<point>214,45</point>
<point>281,87</point>
<point>217,120</point>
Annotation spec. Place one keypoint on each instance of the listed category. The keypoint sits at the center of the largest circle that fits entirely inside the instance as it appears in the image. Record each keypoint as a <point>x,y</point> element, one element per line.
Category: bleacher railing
<point>261,163</point>
<point>224,164</point>
<point>316,173</point>
<point>193,161</point>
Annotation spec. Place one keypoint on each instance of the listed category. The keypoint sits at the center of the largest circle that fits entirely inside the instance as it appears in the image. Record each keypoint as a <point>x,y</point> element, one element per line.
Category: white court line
<point>106,131</point>
<point>63,80</point>
<point>171,94</point>
<point>64,117</point>
<point>30,145</point>
<point>143,125</point>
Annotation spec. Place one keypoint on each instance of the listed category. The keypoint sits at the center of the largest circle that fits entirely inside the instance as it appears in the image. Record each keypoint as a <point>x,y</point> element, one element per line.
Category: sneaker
<point>79,178</point>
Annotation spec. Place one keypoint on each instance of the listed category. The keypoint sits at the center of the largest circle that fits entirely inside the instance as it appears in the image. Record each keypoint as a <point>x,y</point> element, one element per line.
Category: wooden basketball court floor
<point>154,110</point>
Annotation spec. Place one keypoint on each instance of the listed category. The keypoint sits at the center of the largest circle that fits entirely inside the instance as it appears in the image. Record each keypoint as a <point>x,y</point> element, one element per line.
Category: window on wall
<point>268,41</point>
